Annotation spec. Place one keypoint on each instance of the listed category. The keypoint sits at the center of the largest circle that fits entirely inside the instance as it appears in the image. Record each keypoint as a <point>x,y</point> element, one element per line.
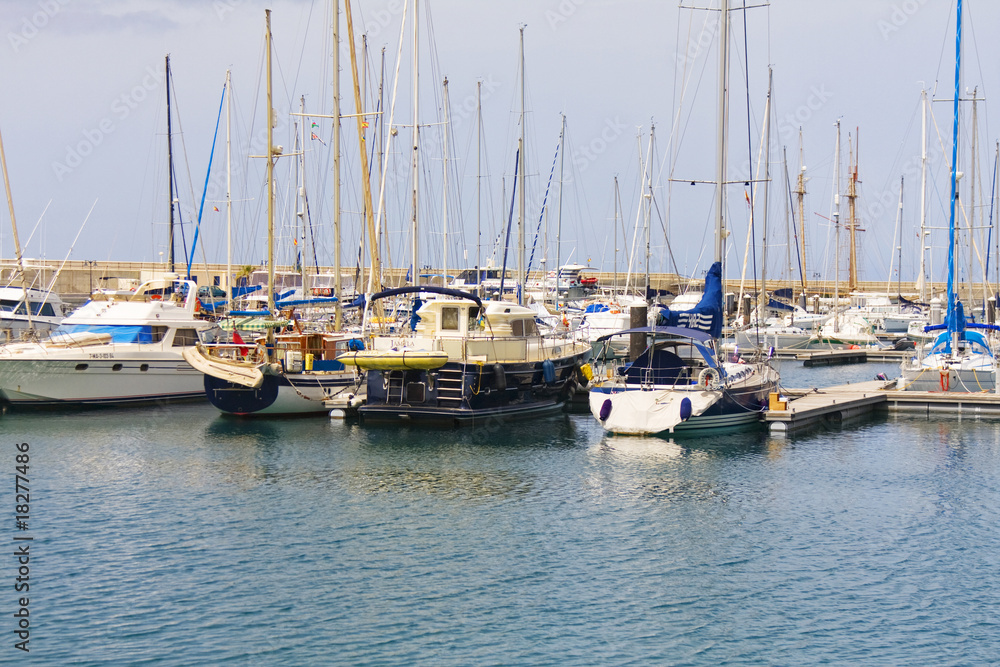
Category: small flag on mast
<point>316,137</point>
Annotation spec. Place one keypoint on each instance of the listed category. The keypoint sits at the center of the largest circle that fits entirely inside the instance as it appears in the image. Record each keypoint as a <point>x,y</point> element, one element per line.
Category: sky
<point>84,128</point>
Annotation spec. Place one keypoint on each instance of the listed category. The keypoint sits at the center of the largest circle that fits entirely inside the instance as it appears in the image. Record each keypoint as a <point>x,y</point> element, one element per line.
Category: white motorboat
<point>113,349</point>
<point>47,311</point>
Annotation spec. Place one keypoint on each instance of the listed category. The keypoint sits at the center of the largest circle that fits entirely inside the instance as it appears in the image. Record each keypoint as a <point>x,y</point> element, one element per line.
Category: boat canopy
<point>707,315</point>
<point>120,333</point>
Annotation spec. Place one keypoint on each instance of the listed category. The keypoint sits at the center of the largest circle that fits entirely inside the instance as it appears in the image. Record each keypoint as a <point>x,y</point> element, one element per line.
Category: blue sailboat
<point>961,358</point>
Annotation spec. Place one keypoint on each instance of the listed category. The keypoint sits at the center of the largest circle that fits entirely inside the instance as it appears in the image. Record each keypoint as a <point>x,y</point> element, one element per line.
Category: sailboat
<point>682,382</point>
<point>293,372</point>
<point>961,358</point>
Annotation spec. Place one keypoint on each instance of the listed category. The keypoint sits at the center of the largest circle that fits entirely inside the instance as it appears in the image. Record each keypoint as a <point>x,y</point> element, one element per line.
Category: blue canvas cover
<point>707,315</point>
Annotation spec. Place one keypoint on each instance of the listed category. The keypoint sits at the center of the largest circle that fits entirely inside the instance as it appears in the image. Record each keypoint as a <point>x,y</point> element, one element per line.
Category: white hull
<point>121,378</point>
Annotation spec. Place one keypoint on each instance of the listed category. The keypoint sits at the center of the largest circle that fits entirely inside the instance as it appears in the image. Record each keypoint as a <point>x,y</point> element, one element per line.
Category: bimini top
<point>684,332</point>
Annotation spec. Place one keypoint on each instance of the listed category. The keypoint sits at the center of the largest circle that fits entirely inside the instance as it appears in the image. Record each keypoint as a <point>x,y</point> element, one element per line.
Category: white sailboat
<point>682,382</point>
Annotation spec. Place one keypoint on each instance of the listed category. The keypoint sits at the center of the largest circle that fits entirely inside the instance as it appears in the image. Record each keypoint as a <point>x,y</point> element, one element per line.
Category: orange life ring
<point>945,380</point>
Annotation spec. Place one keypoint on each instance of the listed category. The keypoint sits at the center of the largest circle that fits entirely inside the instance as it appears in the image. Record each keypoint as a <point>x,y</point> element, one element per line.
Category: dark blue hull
<point>298,393</point>
<point>469,393</point>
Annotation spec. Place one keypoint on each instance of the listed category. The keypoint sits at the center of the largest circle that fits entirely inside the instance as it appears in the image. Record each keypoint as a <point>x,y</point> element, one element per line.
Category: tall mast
<point>416,147</point>
<point>972,196</point>
<point>899,221</point>
<point>521,273</point>
<point>852,220</point>
<point>170,169</point>
<point>617,205</point>
<point>479,186</point>
<point>272,152</point>
<point>721,148</point>
<point>922,278</point>
<point>444,205</point>
<point>952,320</point>
<point>648,201</point>
<point>836,226</point>
<point>17,242</point>
<point>767,182</point>
<point>338,311</point>
<point>562,160</point>
<point>366,186</point>
<point>800,191</point>
<point>229,195</point>
<point>300,213</point>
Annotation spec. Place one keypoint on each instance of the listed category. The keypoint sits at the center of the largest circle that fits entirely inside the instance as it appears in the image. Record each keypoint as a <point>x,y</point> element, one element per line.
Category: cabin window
<point>523,328</point>
<point>449,319</point>
<point>473,316</point>
<point>157,333</point>
<point>185,338</point>
<point>9,305</point>
<point>44,309</point>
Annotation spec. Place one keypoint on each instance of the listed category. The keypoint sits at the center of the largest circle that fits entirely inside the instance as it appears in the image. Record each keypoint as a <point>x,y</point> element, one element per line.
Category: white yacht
<point>112,349</point>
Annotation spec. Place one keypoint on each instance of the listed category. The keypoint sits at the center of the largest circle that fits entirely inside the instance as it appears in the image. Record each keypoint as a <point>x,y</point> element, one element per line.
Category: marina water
<point>174,535</point>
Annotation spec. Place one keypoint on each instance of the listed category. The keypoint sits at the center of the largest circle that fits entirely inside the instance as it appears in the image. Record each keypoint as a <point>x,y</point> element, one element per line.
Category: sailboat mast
<point>899,221</point>
<point>444,198</point>
<point>836,226</point>
<point>521,274</point>
<point>416,147</point>
<point>229,194</point>
<point>338,310</point>
<point>922,280</point>
<point>953,324</point>
<point>170,169</point>
<point>852,224</point>
<point>721,148</point>
<point>800,191</point>
<point>767,182</point>
<point>562,160</point>
<point>271,153</point>
<point>479,186</point>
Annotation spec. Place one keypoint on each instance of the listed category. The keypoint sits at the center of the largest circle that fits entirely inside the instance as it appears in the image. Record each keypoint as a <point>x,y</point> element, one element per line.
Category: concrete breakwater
<point>78,278</point>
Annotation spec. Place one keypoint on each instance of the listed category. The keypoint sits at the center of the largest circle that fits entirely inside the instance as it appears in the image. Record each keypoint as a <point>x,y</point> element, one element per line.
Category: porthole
<point>144,367</point>
<point>82,367</point>
<point>116,367</point>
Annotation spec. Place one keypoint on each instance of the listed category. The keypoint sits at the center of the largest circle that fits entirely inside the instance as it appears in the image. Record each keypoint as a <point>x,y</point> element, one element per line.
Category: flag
<point>318,139</point>
<point>238,339</point>
<point>215,208</point>
<point>747,195</point>
<point>315,125</point>
<point>364,125</point>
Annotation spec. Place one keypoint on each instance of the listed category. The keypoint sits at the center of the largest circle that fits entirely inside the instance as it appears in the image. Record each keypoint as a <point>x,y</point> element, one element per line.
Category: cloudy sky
<point>84,124</point>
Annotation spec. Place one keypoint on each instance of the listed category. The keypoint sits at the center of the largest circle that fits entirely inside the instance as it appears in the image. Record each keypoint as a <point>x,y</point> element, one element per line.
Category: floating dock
<point>806,408</point>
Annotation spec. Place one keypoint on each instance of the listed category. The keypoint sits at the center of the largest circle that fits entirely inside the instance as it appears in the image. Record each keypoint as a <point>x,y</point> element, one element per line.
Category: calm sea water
<point>178,536</point>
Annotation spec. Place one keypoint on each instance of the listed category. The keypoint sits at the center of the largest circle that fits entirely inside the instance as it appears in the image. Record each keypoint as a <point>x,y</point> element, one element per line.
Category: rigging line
<point>795,233</point>
<point>510,220</point>
<point>208,173</point>
<point>541,216</point>
<point>751,232</point>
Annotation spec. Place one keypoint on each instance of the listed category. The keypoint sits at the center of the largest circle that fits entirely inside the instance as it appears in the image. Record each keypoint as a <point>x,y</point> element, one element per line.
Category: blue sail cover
<point>707,315</point>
